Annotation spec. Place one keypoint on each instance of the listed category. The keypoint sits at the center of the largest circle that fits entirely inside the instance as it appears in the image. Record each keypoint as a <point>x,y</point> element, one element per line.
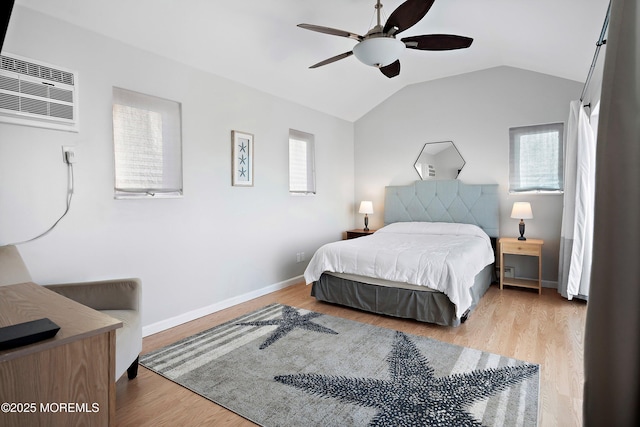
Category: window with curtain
<point>536,158</point>
<point>147,140</point>
<point>302,174</point>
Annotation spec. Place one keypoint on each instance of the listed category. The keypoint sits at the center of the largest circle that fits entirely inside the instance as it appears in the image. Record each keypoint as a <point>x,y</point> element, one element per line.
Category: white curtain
<point>576,236</point>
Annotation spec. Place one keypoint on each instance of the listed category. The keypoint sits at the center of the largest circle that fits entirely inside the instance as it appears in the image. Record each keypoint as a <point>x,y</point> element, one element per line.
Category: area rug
<point>283,366</point>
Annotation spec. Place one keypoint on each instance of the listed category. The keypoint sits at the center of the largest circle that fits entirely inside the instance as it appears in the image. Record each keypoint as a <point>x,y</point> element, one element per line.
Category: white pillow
<point>434,228</point>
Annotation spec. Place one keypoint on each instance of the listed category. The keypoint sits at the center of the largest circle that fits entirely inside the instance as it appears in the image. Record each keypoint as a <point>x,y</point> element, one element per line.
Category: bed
<point>432,261</point>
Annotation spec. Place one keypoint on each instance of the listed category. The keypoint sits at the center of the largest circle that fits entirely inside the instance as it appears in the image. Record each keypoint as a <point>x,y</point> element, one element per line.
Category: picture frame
<point>241,159</point>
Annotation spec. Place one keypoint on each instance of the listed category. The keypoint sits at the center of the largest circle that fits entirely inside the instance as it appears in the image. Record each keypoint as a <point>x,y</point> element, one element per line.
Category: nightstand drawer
<point>521,248</point>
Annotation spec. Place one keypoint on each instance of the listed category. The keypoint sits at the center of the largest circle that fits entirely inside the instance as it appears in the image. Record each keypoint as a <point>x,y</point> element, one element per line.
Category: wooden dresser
<point>68,380</point>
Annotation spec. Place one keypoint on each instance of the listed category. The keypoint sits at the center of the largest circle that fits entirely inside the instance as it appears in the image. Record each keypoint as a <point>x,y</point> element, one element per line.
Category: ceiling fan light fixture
<point>378,51</point>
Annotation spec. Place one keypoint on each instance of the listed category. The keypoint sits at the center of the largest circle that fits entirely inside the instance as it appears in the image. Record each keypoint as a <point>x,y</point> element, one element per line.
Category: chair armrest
<point>118,294</point>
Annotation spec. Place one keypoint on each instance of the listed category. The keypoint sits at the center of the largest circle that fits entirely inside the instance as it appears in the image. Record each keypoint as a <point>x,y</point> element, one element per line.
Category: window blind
<point>536,161</point>
<point>147,145</point>
<point>301,163</point>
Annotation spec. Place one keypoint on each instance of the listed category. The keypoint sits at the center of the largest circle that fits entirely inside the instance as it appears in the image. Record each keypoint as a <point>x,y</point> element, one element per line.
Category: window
<point>536,158</point>
<point>147,140</point>
<point>302,174</point>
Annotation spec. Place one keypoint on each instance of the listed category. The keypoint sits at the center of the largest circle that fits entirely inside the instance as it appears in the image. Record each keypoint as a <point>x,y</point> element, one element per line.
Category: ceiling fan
<point>380,48</point>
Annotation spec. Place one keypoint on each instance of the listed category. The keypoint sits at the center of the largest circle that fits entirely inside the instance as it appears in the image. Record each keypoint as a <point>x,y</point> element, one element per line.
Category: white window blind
<point>147,141</point>
<point>302,179</point>
<point>536,158</point>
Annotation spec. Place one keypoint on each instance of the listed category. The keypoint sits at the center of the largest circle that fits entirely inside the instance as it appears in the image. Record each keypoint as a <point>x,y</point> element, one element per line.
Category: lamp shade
<point>378,51</point>
<point>366,207</point>
<point>521,210</point>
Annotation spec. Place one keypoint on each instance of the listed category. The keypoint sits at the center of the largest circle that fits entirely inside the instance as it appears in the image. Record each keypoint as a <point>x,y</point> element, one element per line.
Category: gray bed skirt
<point>425,306</point>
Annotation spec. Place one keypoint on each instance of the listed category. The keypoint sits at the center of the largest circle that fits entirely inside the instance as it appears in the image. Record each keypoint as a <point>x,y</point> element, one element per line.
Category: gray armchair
<point>119,299</point>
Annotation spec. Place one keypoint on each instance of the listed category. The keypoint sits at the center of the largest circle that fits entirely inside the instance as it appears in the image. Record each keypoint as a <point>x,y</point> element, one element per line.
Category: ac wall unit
<point>33,93</point>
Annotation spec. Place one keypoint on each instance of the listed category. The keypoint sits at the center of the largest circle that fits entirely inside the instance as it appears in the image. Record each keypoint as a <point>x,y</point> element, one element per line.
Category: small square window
<point>147,141</point>
<point>536,158</point>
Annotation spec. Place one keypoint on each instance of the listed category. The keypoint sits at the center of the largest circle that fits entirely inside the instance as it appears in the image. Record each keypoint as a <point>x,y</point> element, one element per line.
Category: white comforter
<point>442,256</point>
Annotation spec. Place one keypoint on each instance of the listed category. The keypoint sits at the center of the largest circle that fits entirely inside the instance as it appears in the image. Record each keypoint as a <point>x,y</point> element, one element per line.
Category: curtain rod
<point>599,44</point>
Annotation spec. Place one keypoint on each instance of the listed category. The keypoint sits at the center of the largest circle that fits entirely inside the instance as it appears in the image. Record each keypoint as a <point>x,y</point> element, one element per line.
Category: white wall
<point>475,111</point>
<point>216,243</point>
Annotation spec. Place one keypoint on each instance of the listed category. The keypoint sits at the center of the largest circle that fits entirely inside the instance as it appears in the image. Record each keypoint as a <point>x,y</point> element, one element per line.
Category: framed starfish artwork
<point>241,159</point>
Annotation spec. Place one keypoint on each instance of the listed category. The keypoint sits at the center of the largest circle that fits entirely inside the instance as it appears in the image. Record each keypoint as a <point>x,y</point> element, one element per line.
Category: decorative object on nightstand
<point>366,207</point>
<point>513,246</point>
<point>521,210</point>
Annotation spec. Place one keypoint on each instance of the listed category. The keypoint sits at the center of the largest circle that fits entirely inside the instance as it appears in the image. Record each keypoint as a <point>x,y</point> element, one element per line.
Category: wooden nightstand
<point>530,247</point>
<point>353,234</point>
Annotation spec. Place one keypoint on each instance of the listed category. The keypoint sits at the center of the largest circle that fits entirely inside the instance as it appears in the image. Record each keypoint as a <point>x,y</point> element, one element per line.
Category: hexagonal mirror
<point>439,160</point>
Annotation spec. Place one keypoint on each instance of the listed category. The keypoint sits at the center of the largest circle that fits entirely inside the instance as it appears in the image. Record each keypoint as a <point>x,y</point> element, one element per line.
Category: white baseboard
<point>195,314</point>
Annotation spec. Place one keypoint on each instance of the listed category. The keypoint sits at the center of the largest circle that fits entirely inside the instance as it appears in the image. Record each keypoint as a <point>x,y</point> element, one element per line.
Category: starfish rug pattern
<point>413,395</point>
<point>290,320</point>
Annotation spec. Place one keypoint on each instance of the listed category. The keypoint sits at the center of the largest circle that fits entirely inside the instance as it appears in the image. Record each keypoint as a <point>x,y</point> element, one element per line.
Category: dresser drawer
<point>521,248</point>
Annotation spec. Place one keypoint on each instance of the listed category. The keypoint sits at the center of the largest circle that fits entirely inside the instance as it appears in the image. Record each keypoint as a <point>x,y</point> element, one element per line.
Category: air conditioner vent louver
<point>9,102</point>
<point>9,84</point>
<point>36,70</point>
<point>37,94</point>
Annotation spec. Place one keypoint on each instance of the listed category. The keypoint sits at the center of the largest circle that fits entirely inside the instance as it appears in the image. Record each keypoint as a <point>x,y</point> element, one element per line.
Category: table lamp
<point>366,207</point>
<point>521,210</point>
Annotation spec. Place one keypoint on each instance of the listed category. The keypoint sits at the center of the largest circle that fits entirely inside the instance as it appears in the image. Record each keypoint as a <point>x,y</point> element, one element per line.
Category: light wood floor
<point>544,329</point>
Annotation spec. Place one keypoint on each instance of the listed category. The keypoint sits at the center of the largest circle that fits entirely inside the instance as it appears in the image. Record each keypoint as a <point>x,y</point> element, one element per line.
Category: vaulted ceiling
<point>257,42</point>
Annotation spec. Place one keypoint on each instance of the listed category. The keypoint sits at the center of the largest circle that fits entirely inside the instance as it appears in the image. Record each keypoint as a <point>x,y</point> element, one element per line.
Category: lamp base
<point>521,229</point>
<point>366,223</point>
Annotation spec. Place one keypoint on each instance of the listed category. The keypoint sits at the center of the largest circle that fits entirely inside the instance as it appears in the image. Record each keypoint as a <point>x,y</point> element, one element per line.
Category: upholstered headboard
<point>444,201</point>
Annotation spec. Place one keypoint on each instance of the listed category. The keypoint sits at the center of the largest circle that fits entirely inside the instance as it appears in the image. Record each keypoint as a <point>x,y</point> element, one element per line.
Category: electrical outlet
<point>509,271</point>
<point>68,154</point>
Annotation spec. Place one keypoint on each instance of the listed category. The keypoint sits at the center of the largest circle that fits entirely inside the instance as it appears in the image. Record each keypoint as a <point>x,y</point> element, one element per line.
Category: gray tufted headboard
<point>444,201</point>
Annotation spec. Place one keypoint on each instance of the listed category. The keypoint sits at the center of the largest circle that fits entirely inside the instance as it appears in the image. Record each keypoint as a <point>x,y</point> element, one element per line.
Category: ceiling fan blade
<point>391,70</point>
<point>437,42</point>
<point>331,31</point>
<point>332,59</point>
<point>407,15</point>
